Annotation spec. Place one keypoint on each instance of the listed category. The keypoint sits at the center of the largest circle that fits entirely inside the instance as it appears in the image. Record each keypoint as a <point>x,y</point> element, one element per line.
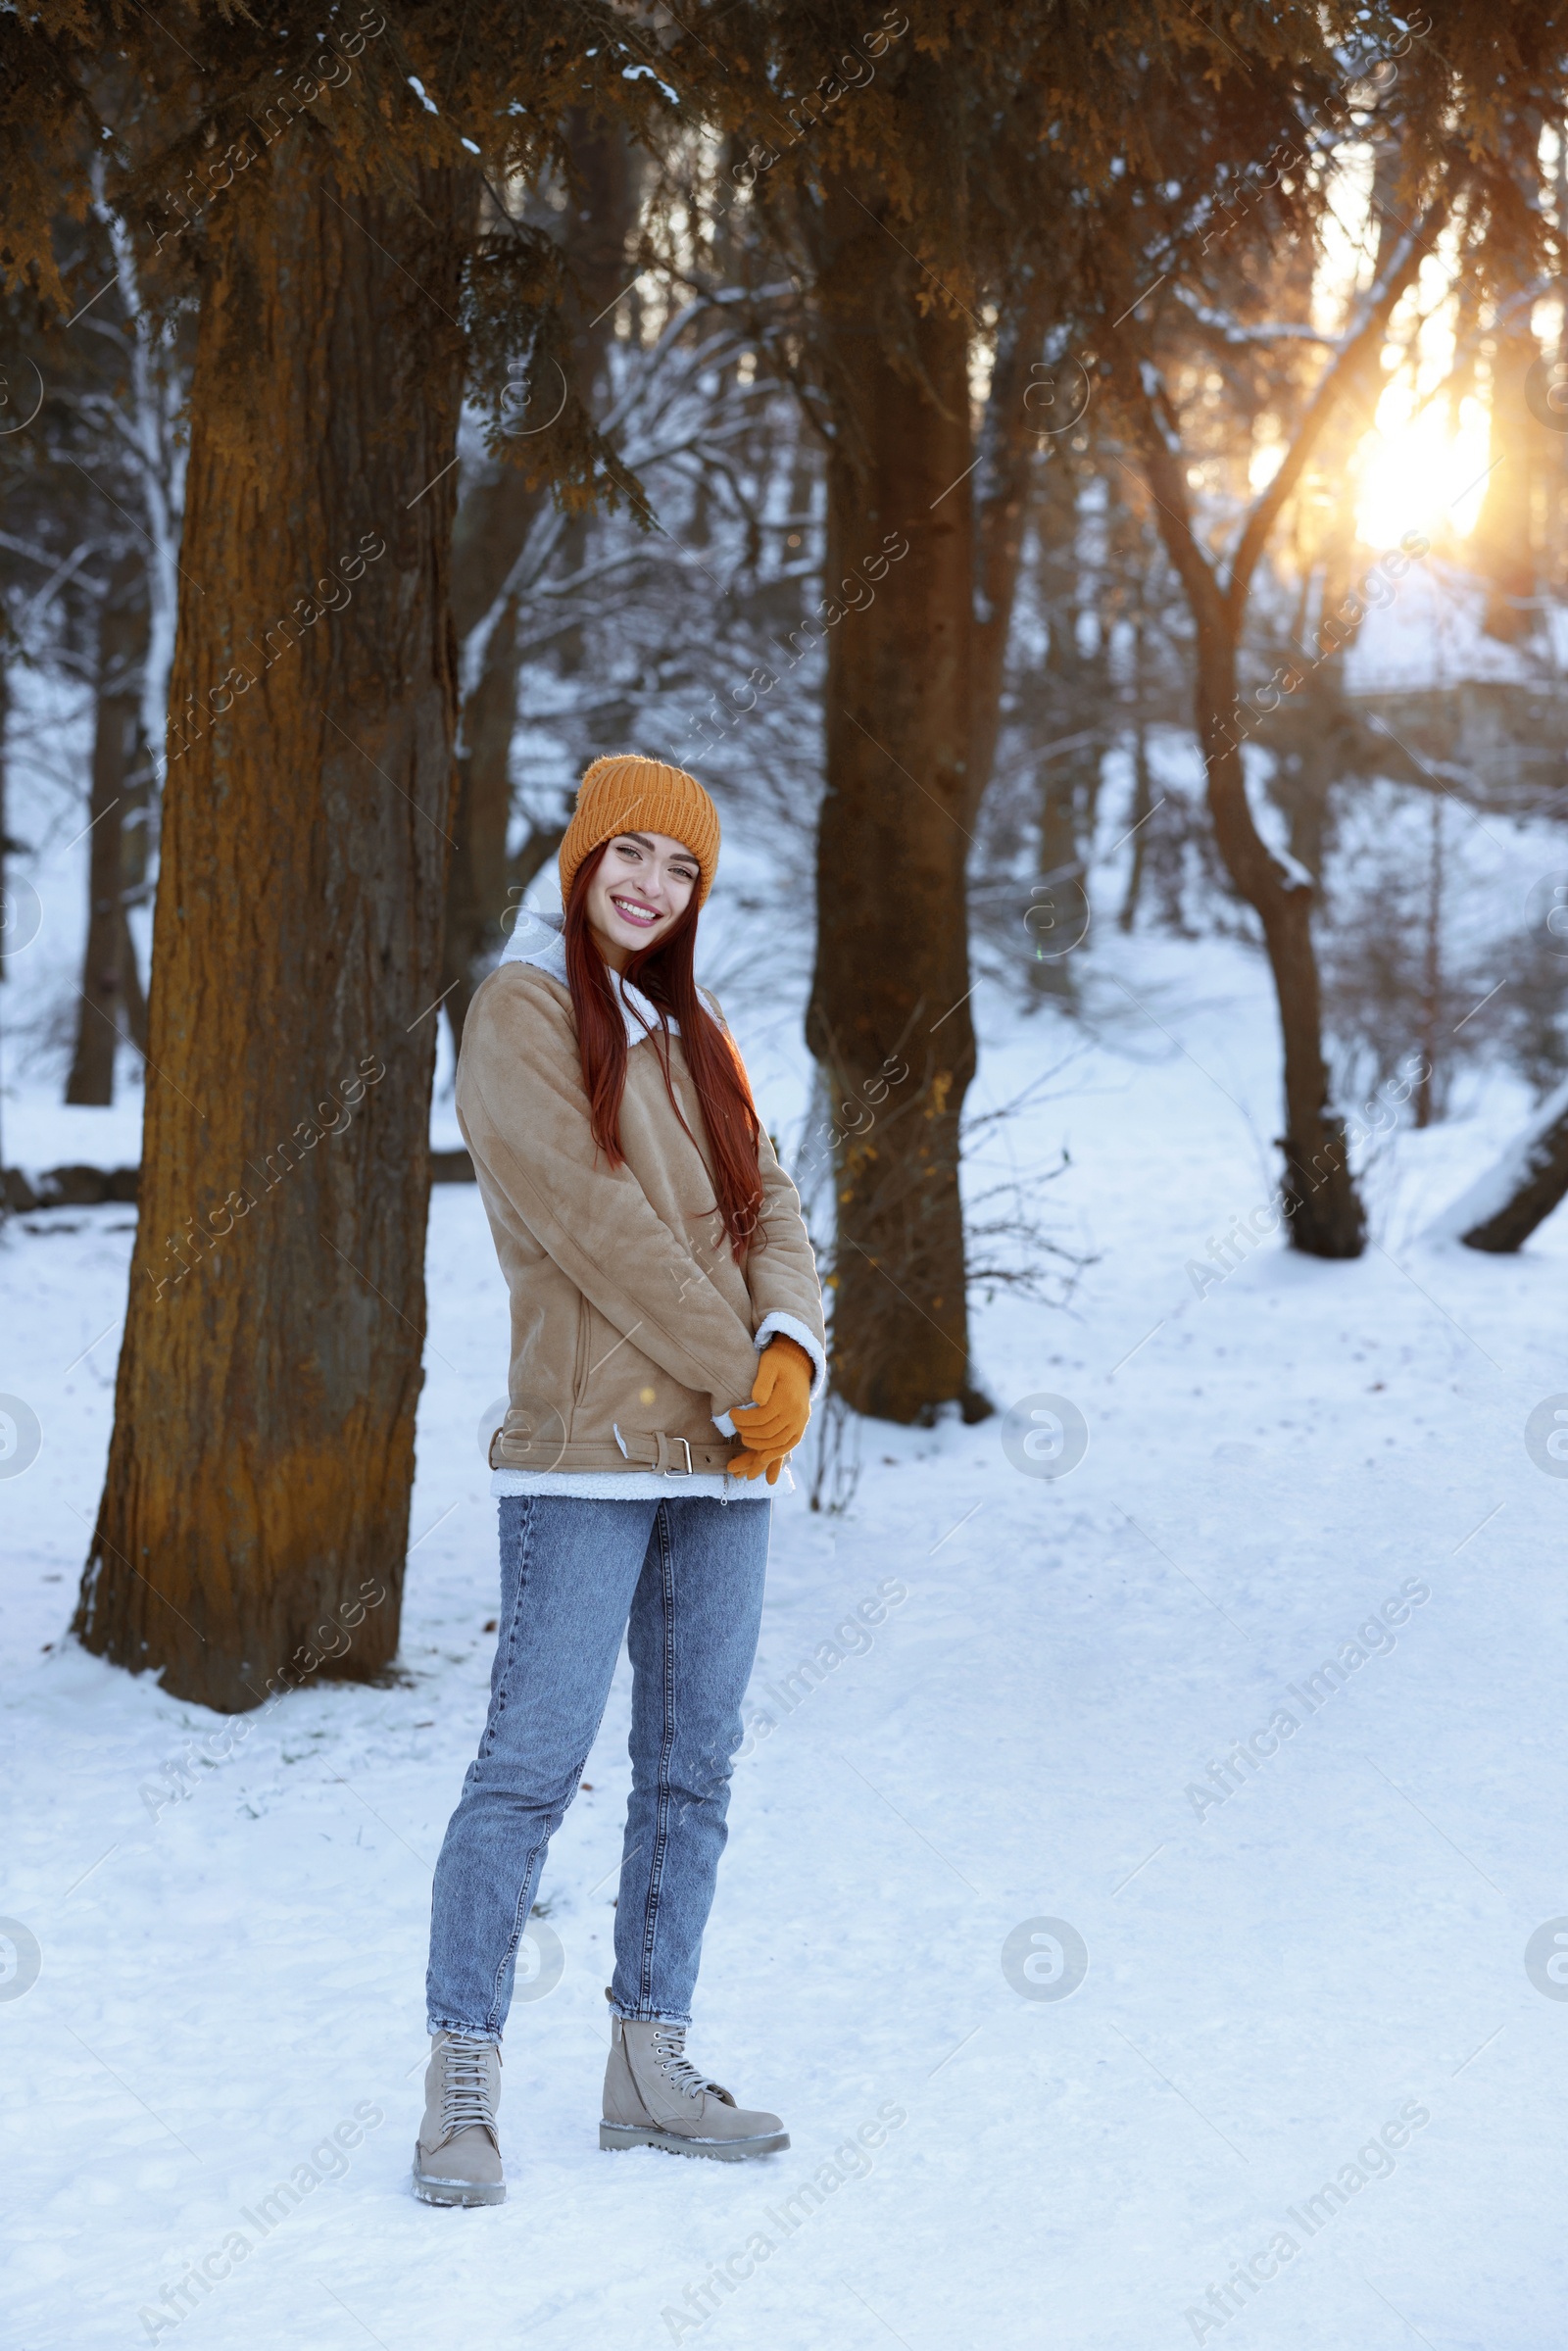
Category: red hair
<point>663,972</point>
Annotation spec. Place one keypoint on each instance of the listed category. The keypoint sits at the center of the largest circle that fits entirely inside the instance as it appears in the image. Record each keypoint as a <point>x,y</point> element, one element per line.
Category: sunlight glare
<point>1415,474</point>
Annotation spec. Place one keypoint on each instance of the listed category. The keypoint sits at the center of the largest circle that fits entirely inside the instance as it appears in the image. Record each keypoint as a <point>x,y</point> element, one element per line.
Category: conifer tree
<point>338,198</point>
<point>928,182</point>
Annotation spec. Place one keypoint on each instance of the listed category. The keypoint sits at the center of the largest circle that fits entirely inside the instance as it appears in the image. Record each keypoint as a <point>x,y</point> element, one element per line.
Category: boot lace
<point>466,2088</point>
<point>670,2055</point>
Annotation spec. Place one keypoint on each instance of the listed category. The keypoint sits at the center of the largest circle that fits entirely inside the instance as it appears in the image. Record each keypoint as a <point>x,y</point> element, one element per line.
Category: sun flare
<point>1418,473</point>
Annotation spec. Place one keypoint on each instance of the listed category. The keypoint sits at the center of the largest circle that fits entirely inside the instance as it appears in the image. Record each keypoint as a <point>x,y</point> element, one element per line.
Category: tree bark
<point>1499,1213</point>
<point>1424,1101</point>
<point>1321,1197</point>
<point>1068,777</point>
<point>498,508</point>
<point>130,971</point>
<point>1542,1187</point>
<point>254,1519</point>
<point>492,530</point>
<point>117,744</point>
<point>476,878</point>
<point>1012,439</point>
<point>1325,1214</point>
<point>1504,542</point>
<point>891,987</point>
<point>6,916</point>
<point>1142,802</point>
<point>1054,919</point>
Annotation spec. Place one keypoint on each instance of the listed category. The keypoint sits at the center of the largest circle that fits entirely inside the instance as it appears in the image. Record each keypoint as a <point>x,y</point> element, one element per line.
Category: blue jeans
<point>688,1574</point>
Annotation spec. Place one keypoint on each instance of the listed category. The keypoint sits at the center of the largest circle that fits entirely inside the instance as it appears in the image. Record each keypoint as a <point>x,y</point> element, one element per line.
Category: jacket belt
<point>672,1456</point>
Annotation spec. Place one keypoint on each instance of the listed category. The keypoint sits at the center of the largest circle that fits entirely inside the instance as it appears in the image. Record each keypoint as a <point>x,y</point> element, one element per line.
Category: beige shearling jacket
<point>633,1329</point>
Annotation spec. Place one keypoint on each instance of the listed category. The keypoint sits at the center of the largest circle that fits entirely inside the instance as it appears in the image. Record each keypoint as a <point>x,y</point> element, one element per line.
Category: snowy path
<point>1337,1944</point>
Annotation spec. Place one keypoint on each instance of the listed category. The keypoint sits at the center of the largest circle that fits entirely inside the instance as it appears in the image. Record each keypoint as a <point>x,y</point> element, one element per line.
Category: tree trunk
<point>254,1519</point>
<point>476,878</point>
<point>1304,778</point>
<point>1320,1200</point>
<point>891,987</point>
<point>1011,437</point>
<point>135,1001</point>
<point>7,915</point>
<point>1060,920</point>
<point>1499,1213</point>
<point>492,530</point>
<point>1142,802</point>
<point>1424,1101</point>
<point>536,852</point>
<point>1056,920</point>
<point>117,743</point>
<point>1504,541</point>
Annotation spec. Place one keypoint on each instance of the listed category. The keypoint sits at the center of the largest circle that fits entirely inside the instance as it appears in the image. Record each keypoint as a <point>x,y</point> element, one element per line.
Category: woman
<point>666,1348</point>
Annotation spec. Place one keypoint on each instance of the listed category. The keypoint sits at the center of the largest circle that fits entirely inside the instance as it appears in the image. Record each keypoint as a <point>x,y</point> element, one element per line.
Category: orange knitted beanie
<point>626,793</point>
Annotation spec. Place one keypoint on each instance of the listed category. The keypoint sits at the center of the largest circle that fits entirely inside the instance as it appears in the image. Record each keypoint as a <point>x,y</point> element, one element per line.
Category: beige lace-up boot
<point>456,2157</point>
<point>654,2097</point>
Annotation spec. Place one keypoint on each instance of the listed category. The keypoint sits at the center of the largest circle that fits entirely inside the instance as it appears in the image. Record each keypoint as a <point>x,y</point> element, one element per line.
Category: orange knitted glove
<point>773,1423</point>
<point>755,1465</point>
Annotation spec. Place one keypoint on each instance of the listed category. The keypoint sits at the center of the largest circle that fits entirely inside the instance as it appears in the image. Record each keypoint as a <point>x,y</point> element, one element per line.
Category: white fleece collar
<point>541,939</point>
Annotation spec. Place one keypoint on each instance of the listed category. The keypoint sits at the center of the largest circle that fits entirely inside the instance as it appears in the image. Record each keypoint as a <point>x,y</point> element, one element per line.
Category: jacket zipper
<point>579,1376</point>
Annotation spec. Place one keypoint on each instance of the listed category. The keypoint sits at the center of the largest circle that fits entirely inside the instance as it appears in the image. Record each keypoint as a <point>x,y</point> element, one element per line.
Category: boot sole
<point>429,2190</point>
<point>722,2150</point>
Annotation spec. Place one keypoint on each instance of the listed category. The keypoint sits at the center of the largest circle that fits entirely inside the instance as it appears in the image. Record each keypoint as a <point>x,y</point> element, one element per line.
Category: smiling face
<point>641,888</point>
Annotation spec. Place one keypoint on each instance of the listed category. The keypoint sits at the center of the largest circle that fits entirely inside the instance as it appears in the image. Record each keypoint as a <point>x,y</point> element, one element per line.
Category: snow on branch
<point>1502,1207</point>
<point>1232,330</point>
<point>1362,337</point>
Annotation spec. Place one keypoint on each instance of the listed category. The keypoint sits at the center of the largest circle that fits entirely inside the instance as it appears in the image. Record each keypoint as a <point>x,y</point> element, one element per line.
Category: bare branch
<point>1363,341</point>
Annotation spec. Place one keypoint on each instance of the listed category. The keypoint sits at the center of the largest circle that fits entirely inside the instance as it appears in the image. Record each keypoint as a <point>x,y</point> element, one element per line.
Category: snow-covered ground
<point>1318,1977</point>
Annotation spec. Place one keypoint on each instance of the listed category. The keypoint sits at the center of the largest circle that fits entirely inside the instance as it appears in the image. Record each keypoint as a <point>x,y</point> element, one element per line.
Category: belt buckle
<point>685,1448</point>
